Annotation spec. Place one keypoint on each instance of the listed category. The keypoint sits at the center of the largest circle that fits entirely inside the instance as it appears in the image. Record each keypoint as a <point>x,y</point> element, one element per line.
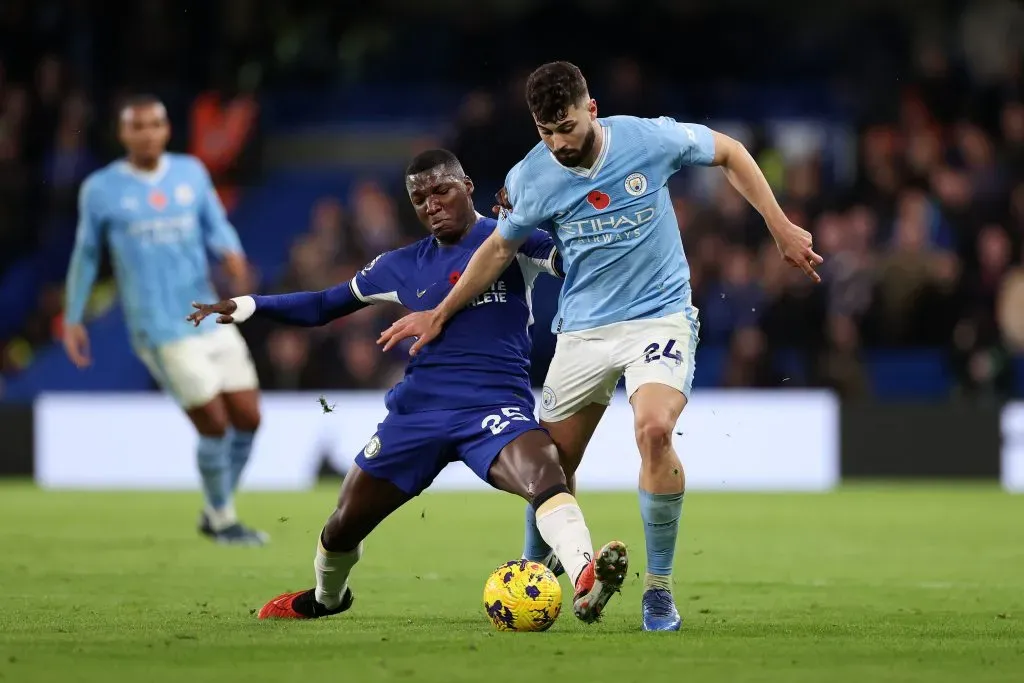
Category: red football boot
<point>302,605</point>
<point>599,581</point>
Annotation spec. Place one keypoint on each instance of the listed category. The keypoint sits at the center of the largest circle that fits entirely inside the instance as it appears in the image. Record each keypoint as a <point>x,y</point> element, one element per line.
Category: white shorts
<point>197,369</point>
<point>588,364</point>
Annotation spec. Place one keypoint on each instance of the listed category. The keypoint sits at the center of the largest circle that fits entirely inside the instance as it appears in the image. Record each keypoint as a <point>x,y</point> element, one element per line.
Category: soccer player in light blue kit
<point>158,213</point>
<point>599,185</point>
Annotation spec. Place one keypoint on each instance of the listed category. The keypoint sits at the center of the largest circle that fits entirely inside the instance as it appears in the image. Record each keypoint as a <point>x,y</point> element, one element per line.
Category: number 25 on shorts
<point>651,352</point>
<point>497,425</point>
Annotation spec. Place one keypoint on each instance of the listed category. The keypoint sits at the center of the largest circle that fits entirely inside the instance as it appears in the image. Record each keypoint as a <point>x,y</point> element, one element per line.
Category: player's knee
<point>210,419</point>
<point>246,421</point>
<point>653,435</point>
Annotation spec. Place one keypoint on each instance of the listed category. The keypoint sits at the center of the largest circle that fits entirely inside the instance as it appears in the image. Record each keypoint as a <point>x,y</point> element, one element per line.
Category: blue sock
<point>239,449</point>
<point>534,546</point>
<point>661,513</point>
<point>213,467</point>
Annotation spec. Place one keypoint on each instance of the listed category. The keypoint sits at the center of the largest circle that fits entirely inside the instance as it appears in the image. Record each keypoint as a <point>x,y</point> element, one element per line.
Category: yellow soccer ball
<point>521,595</point>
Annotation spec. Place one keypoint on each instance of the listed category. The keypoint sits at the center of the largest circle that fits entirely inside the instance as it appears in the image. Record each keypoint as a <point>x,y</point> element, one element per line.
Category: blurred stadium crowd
<point>923,234</point>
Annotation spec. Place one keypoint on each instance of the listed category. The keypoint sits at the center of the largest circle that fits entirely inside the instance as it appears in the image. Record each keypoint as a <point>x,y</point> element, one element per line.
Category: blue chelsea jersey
<point>158,227</point>
<point>482,357</point>
<point>614,223</point>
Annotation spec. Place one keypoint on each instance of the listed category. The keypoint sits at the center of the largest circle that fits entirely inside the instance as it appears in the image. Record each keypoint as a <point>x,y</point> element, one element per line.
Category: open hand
<point>224,308</point>
<point>76,344</point>
<point>423,325</point>
<point>795,245</point>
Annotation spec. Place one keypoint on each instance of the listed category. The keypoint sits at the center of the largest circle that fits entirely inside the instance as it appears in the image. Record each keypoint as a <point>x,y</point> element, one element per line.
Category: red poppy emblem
<point>599,200</point>
<point>454,277</point>
<point>158,200</point>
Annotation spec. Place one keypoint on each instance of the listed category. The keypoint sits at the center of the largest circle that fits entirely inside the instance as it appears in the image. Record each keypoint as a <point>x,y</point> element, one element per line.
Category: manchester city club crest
<point>184,195</point>
<point>548,398</point>
<point>636,184</point>
<point>372,448</point>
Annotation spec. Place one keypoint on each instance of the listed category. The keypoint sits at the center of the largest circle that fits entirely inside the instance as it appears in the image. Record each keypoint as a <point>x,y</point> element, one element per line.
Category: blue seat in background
<point>909,374</point>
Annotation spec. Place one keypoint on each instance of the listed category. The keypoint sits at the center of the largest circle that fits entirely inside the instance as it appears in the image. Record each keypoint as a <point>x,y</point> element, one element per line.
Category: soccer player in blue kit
<point>625,305</point>
<point>159,215</point>
<point>466,398</point>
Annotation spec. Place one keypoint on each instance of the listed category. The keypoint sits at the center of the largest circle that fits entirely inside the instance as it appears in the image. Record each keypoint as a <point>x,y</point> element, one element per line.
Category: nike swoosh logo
<point>420,293</point>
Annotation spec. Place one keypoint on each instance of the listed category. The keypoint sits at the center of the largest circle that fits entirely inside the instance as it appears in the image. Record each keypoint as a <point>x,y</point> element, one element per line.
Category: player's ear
<point>469,185</point>
<point>592,108</point>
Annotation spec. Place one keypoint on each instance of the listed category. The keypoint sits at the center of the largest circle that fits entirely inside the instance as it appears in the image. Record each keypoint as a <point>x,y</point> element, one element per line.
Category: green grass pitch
<point>872,583</point>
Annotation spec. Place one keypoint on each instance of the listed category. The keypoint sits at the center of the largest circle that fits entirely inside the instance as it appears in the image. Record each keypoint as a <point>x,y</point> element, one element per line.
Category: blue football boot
<point>659,611</point>
<point>236,534</point>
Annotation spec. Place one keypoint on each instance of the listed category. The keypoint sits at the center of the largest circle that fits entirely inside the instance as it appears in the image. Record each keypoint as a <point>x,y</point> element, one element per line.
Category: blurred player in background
<point>625,307</point>
<point>468,398</point>
<point>158,213</point>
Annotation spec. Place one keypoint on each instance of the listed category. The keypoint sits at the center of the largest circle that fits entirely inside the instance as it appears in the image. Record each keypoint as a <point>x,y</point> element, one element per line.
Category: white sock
<point>222,518</point>
<point>561,525</point>
<point>332,570</point>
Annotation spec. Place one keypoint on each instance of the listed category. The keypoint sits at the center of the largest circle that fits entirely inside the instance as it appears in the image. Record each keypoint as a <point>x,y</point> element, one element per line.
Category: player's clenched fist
<point>223,308</point>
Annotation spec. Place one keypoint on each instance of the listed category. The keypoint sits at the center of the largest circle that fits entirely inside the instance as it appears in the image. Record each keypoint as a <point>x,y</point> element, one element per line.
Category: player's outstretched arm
<point>488,263</point>
<point>743,173</point>
<point>302,309</point>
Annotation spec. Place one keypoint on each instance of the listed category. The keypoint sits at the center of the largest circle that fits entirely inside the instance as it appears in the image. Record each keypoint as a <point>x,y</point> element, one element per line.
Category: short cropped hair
<point>134,101</point>
<point>552,88</point>
<point>432,158</point>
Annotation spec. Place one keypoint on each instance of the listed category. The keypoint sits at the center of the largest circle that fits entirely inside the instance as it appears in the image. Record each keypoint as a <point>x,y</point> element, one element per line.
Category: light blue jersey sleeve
<point>220,236</point>
<point>85,259</point>
<point>528,211</point>
<point>681,144</point>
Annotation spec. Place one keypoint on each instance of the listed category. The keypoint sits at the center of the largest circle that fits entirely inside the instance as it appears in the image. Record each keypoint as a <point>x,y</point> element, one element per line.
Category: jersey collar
<point>150,177</point>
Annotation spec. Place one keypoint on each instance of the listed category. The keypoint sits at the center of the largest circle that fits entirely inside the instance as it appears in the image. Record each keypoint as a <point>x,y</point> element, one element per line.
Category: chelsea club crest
<point>372,448</point>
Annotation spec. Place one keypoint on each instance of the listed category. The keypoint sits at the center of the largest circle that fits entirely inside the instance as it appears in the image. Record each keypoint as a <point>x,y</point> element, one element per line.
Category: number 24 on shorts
<point>651,352</point>
<point>497,425</point>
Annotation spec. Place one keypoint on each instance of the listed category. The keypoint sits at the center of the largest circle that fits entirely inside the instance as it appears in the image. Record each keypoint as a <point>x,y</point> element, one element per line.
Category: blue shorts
<point>410,450</point>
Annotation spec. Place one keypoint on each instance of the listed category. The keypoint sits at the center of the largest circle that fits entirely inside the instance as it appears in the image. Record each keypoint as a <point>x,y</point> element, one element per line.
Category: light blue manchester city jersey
<point>158,227</point>
<point>614,223</point>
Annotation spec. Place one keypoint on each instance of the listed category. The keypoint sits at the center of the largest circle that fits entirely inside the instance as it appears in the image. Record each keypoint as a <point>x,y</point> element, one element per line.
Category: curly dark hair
<point>552,88</point>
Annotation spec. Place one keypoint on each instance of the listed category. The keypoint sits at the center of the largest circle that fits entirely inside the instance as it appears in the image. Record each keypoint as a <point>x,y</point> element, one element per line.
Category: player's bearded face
<point>572,139</point>
<point>574,156</point>
<point>442,202</point>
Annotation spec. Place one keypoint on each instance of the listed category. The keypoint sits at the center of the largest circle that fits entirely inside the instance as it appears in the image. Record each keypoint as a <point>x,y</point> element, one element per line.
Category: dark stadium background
<point>894,131</point>
<point>813,546</point>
